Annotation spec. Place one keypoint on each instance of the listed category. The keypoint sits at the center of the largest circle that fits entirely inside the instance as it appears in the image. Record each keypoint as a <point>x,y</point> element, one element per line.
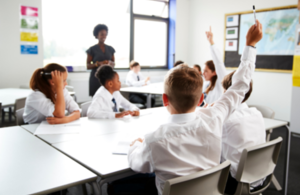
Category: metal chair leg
<point>276,183</point>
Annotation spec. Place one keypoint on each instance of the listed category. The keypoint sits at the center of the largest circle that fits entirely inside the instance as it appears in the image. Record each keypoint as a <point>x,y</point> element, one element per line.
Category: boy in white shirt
<point>108,99</point>
<point>191,141</point>
<point>244,128</point>
<point>136,79</point>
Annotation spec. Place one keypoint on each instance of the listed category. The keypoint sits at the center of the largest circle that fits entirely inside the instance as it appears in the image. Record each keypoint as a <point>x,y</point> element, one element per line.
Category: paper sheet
<point>122,147</point>
<point>46,128</point>
<point>232,20</point>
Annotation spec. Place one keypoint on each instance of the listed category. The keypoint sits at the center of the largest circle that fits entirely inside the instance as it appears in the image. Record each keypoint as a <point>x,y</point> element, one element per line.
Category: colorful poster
<point>296,71</point>
<point>232,20</point>
<point>231,45</point>
<point>232,33</point>
<point>30,23</point>
<point>29,37</point>
<point>29,49</point>
<point>29,11</point>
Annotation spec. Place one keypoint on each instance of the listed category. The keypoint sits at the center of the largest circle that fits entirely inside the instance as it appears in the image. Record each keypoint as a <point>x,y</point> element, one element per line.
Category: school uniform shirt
<point>218,90</point>
<point>191,142</point>
<point>243,129</point>
<point>102,105</point>
<point>38,107</point>
<point>136,80</point>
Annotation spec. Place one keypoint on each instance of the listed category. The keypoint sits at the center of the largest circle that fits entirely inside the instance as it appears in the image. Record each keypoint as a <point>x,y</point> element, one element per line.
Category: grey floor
<point>294,171</point>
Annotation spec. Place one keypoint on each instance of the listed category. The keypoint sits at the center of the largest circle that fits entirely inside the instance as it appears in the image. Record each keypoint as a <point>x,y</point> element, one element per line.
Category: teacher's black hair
<point>98,28</point>
<point>105,73</point>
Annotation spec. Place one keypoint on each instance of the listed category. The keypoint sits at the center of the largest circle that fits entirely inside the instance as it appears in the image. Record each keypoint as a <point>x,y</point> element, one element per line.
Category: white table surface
<point>8,96</point>
<point>153,88</point>
<point>272,123</point>
<point>29,166</point>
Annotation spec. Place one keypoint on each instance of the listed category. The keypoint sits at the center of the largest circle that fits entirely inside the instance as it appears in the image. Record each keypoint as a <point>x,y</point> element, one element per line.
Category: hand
<point>147,79</point>
<point>254,34</point>
<point>122,114</point>
<point>104,62</point>
<point>55,120</point>
<point>139,140</point>
<point>57,79</point>
<point>135,113</point>
<point>210,36</point>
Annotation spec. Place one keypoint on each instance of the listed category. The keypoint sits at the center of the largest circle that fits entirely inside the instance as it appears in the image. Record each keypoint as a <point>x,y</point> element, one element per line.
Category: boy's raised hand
<point>210,36</point>
<point>254,34</point>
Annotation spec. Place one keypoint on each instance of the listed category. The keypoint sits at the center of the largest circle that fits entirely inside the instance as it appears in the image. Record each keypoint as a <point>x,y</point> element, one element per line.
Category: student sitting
<point>49,98</point>
<point>191,141</point>
<point>213,73</point>
<point>198,68</point>
<point>108,99</point>
<point>244,128</point>
<point>136,79</point>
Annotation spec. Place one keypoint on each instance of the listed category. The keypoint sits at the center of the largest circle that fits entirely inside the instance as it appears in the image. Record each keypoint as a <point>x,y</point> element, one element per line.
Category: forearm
<point>60,106</point>
<point>90,66</point>
<point>219,65</point>
<point>72,117</point>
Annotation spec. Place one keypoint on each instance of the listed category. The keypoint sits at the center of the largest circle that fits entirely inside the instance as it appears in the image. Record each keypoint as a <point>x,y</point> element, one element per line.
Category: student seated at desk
<point>244,128</point>
<point>136,79</point>
<point>108,99</point>
<point>49,98</point>
<point>191,141</point>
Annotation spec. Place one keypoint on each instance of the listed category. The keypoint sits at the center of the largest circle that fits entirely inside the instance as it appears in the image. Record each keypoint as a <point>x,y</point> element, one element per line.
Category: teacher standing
<point>98,55</point>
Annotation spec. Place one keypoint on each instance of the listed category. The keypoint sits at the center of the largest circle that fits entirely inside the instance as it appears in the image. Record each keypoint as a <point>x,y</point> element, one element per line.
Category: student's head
<point>209,74</point>
<point>108,78</point>
<point>182,90</point>
<point>42,80</point>
<point>198,68</point>
<point>135,66</point>
<point>227,81</point>
<point>100,32</point>
<point>178,63</point>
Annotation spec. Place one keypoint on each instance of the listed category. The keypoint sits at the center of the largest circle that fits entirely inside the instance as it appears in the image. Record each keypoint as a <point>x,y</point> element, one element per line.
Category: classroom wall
<point>270,89</point>
<point>16,69</point>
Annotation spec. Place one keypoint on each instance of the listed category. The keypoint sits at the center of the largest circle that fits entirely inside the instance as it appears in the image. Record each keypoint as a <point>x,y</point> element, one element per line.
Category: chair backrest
<point>84,108</point>
<point>208,182</point>
<point>256,163</point>
<point>19,117</point>
<point>19,103</point>
<point>70,88</point>
<point>265,111</point>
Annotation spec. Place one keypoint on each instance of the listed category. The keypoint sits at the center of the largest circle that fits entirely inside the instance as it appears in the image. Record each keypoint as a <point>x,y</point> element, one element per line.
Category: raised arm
<point>216,57</point>
<point>233,97</point>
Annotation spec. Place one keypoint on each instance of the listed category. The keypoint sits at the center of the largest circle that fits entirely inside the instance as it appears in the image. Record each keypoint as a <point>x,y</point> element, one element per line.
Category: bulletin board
<point>276,50</point>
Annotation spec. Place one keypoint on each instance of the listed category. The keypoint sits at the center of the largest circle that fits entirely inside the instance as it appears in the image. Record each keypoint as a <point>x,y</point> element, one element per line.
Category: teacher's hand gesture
<point>210,36</point>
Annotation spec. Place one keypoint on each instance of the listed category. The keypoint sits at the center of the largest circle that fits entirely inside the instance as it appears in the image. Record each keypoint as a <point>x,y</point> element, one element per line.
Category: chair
<point>19,117</point>
<point>71,91</point>
<point>268,113</point>
<point>257,163</point>
<point>19,103</point>
<point>208,182</point>
<point>84,108</point>
<point>126,96</point>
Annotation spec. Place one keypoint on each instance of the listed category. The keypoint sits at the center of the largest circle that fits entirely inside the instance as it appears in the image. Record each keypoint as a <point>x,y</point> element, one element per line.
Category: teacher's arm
<point>89,61</point>
<point>113,58</point>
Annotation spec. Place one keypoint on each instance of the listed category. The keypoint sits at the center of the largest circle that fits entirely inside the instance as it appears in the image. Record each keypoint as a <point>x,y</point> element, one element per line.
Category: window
<point>68,29</point>
<point>150,33</point>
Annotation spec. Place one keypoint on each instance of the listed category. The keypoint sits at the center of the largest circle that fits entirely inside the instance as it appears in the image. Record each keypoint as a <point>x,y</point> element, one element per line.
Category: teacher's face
<point>102,36</point>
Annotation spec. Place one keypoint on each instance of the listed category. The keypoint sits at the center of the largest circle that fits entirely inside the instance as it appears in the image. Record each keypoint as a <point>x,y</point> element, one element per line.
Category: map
<point>279,29</point>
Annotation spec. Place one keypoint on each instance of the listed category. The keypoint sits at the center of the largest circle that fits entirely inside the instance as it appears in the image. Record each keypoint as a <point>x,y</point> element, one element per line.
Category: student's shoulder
<point>244,114</point>
<point>36,94</point>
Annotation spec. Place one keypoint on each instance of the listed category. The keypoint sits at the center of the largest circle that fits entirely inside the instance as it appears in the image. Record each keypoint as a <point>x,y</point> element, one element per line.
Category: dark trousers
<point>231,185</point>
<point>140,184</point>
<point>140,98</point>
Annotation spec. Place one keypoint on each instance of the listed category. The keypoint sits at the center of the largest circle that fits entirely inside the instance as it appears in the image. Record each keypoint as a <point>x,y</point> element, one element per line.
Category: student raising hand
<point>210,36</point>
<point>254,34</point>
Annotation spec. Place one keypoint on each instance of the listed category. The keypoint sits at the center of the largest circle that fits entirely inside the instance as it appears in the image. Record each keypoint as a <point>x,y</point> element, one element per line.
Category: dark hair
<point>198,67</point>
<point>183,86</point>
<point>210,64</point>
<point>178,63</point>
<point>227,82</point>
<point>98,28</point>
<point>105,73</point>
<point>40,77</point>
<point>133,64</point>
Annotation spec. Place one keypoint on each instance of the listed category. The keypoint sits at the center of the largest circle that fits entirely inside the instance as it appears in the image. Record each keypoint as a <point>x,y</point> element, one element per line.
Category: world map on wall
<point>279,28</point>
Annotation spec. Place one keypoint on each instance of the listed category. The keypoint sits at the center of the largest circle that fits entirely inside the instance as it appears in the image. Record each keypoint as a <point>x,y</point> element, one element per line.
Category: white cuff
<point>249,54</point>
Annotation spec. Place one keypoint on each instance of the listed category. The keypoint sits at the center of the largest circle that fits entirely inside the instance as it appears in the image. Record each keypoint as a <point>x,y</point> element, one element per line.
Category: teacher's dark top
<point>98,55</point>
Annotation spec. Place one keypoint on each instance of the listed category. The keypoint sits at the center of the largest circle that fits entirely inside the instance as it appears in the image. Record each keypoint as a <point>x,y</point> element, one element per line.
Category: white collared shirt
<point>244,128</point>
<point>191,142</point>
<point>132,79</point>
<point>38,107</point>
<point>218,90</point>
<point>102,104</point>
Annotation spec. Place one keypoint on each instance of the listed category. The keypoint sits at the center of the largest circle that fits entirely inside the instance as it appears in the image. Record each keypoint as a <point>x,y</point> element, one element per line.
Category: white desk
<point>29,166</point>
<point>8,96</point>
<point>153,88</point>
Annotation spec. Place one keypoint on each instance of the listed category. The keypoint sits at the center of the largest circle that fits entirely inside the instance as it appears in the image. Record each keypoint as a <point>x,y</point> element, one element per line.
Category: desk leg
<point>149,101</point>
<point>287,161</point>
<point>10,113</point>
